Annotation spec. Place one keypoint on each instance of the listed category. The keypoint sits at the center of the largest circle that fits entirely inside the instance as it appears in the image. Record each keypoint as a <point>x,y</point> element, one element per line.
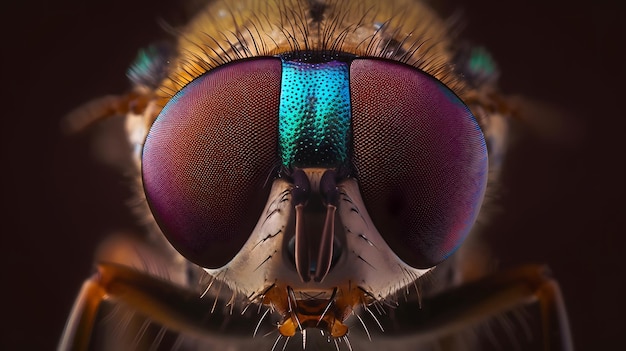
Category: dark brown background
<point>564,203</point>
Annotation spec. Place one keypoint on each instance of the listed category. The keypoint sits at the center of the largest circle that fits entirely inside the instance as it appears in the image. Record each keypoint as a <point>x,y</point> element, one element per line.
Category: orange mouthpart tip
<point>326,314</point>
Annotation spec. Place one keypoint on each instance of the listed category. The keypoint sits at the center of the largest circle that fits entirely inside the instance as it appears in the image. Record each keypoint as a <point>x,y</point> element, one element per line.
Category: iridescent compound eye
<point>208,156</point>
<point>421,159</point>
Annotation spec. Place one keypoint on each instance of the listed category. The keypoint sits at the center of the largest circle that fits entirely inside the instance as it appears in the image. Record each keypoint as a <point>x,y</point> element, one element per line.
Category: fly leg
<point>142,296</point>
<point>460,308</point>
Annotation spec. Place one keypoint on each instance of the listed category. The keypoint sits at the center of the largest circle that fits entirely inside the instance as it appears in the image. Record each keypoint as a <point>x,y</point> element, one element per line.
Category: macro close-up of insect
<point>312,174</point>
<point>313,162</point>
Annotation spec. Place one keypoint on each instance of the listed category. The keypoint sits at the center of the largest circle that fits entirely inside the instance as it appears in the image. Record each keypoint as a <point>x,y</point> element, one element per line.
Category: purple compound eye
<point>208,155</point>
<point>421,159</point>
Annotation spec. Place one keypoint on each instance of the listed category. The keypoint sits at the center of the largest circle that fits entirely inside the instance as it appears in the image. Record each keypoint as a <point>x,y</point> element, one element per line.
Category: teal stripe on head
<point>314,114</point>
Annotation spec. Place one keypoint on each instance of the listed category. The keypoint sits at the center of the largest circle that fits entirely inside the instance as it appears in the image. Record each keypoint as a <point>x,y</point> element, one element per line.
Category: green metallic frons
<point>314,114</point>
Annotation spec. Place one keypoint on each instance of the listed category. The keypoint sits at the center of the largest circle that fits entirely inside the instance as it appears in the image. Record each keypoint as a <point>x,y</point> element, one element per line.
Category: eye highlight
<point>207,158</point>
<point>421,159</point>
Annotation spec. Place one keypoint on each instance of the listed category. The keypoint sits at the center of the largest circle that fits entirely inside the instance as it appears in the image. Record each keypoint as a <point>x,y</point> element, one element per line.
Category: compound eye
<point>421,159</point>
<point>208,155</point>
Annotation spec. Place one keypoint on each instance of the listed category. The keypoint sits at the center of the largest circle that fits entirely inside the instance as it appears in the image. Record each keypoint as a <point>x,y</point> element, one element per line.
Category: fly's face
<point>296,176</point>
<point>316,157</point>
<point>318,175</point>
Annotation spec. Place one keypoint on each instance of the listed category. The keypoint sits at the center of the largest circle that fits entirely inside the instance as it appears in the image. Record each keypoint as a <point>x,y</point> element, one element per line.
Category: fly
<point>308,169</point>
